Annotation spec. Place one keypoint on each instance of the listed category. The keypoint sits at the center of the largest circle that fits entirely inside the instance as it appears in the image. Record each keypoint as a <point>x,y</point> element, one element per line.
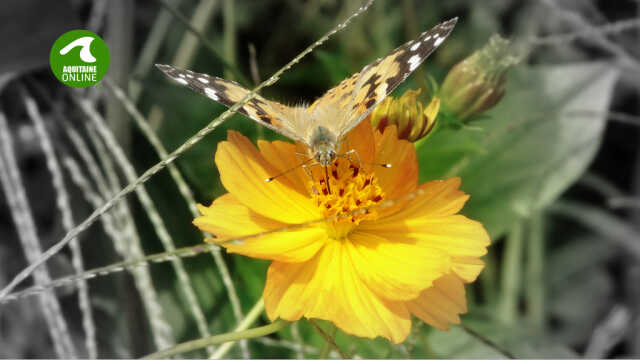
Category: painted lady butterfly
<point>323,124</point>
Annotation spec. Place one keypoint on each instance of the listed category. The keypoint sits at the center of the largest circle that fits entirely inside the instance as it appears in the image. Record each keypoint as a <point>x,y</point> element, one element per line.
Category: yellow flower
<point>407,113</point>
<point>366,271</point>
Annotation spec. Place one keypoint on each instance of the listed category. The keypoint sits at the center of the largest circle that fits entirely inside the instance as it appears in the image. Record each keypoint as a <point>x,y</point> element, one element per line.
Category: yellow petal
<point>243,171</point>
<point>228,218</point>
<point>402,177</point>
<point>462,248</point>
<point>455,235</point>
<point>397,268</point>
<point>434,199</point>
<point>282,155</point>
<point>440,305</point>
<point>431,222</point>
<point>328,287</point>
<point>467,268</point>
<point>361,139</point>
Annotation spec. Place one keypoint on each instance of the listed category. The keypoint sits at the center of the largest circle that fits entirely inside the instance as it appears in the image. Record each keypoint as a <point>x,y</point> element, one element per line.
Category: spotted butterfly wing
<point>271,114</point>
<point>358,95</point>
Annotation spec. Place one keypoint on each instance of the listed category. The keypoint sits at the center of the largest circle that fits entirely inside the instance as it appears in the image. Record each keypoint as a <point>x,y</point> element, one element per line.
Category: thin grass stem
<point>150,48</point>
<point>490,343</point>
<point>150,209</point>
<point>18,202</point>
<point>326,348</point>
<point>64,207</point>
<point>207,44</point>
<point>126,244</point>
<point>110,228</point>
<point>329,339</point>
<point>606,29</point>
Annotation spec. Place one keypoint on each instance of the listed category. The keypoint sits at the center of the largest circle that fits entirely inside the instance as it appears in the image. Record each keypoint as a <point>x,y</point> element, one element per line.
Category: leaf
<point>521,342</point>
<point>533,146</point>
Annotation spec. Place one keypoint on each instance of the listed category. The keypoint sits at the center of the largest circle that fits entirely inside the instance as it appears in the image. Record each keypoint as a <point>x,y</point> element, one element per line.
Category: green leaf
<point>533,146</point>
<point>520,342</point>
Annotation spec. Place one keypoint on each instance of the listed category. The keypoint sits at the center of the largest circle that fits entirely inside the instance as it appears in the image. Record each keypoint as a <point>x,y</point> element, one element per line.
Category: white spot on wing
<point>414,61</point>
<point>211,94</point>
<point>181,81</point>
<point>415,46</point>
<point>438,41</point>
<point>181,75</point>
<point>190,76</point>
<point>203,80</point>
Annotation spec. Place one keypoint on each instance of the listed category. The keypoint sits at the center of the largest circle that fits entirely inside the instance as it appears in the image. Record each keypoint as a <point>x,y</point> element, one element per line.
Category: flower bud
<point>407,113</point>
<point>477,83</point>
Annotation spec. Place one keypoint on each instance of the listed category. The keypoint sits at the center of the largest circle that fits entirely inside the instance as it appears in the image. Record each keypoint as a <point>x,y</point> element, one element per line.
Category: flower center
<point>350,188</point>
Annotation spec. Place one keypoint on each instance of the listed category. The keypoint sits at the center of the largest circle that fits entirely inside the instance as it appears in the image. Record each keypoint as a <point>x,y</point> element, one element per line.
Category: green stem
<point>535,271</point>
<point>489,278</point>
<point>329,340</point>
<point>229,35</point>
<point>219,339</point>
<point>251,317</point>
<point>511,276</point>
<point>490,343</point>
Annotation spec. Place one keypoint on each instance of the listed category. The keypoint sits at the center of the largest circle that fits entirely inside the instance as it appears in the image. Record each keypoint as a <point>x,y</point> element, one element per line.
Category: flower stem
<point>535,271</point>
<point>329,340</point>
<point>251,317</point>
<point>219,339</point>
<point>511,276</point>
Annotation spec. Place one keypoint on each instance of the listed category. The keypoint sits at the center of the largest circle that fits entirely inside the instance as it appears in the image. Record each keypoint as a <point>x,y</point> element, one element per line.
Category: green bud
<point>477,83</point>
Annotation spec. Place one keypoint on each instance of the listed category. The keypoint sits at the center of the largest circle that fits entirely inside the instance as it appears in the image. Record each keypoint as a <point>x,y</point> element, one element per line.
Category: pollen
<point>347,200</point>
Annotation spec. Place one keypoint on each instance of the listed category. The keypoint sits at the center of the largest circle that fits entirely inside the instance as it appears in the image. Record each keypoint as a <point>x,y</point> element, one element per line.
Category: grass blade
<point>27,233</point>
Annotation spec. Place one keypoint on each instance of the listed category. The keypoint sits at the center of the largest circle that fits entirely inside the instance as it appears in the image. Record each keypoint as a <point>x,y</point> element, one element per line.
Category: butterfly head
<point>323,146</point>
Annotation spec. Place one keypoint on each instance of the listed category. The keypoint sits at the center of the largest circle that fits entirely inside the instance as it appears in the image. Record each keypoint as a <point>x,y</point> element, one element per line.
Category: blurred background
<point>553,171</point>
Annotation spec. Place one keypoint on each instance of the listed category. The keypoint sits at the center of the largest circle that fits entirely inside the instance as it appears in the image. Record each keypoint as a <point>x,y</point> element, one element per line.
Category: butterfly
<point>323,125</point>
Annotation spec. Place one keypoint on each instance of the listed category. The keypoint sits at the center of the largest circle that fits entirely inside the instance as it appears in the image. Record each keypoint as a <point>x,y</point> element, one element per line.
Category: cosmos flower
<point>366,271</point>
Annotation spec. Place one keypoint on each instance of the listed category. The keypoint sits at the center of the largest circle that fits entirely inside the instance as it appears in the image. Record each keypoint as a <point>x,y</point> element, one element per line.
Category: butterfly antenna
<point>384,165</point>
<point>287,171</point>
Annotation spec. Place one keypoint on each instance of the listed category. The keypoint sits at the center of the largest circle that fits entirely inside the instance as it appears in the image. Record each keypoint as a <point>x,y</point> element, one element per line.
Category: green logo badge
<point>79,58</point>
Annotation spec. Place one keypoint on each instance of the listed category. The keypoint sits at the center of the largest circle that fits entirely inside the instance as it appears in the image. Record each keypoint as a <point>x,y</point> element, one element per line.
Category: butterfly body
<point>322,125</point>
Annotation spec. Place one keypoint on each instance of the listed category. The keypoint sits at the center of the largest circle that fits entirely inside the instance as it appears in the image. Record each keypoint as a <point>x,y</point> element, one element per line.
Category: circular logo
<point>79,58</point>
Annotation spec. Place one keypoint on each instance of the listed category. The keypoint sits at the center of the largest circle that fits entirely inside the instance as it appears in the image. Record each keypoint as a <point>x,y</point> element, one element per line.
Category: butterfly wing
<point>358,95</point>
<point>271,114</point>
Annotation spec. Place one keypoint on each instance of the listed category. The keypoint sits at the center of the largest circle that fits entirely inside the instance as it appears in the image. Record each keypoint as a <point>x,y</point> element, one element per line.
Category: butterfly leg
<point>348,154</point>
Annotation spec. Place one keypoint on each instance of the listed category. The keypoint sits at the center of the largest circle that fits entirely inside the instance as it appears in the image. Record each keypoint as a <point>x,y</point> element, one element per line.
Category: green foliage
<point>530,148</point>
